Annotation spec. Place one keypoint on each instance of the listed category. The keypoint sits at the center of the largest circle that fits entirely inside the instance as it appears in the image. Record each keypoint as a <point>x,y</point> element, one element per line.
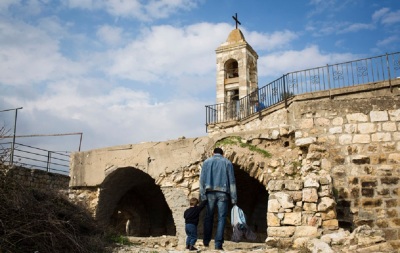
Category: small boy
<point>191,216</point>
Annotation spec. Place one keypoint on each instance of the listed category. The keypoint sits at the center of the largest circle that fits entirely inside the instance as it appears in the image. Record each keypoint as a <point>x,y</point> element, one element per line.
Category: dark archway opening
<point>132,204</point>
<point>253,200</point>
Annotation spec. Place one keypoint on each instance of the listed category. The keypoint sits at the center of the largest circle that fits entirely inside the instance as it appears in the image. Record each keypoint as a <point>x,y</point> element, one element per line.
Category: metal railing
<point>38,158</point>
<point>363,71</point>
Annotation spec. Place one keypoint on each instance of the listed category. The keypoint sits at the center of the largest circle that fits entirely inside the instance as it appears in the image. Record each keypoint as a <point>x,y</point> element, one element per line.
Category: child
<point>191,216</point>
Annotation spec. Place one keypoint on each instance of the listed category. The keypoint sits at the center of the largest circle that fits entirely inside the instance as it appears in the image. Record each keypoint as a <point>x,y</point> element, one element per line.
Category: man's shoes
<point>192,248</point>
<point>219,248</point>
<point>187,246</point>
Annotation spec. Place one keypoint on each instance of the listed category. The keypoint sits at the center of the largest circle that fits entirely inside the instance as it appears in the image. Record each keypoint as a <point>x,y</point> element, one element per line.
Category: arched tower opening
<point>231,69</point>
<point>132,204</point>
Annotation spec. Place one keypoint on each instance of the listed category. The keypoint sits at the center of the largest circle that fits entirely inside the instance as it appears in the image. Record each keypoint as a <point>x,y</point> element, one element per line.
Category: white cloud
<point>388,41</point>
<point>110,35</point>
<point>276,40</point>
<point>5,4</point>
<point>164,52</point>
<point>386,16</point>
<point>141,10</point>
<point>29,55</point>
<point>276,64</point>
<point>355,27</point>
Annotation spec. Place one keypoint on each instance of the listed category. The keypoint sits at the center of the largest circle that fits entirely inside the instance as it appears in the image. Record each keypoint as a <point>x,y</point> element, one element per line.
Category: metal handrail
<point>38,158</point>
<point>352,73</point>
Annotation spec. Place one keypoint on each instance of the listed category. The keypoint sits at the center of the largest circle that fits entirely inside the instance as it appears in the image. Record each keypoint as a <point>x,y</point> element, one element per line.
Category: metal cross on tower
<point>236,20</point>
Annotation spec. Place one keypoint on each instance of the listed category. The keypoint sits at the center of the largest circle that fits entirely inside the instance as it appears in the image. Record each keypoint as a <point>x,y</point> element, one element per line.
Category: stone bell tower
<point>236,69</point>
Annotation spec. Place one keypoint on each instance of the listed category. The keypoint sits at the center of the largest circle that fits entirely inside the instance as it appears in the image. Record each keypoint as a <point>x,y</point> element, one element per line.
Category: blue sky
<point>130,71</point>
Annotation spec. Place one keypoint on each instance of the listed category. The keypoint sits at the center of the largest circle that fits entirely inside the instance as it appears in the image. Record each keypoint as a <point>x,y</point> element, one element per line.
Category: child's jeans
<point>191,232</point>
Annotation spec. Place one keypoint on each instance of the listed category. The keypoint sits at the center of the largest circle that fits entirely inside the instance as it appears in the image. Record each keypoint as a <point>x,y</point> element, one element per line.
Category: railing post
<point>284,91</point>
<point>48,160</point>
<point>329,81</point>
<point>388,68</point>
<point>13,142</point>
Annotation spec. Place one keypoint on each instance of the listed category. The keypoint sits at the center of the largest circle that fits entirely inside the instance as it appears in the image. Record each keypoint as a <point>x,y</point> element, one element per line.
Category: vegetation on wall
<point>237,141</point>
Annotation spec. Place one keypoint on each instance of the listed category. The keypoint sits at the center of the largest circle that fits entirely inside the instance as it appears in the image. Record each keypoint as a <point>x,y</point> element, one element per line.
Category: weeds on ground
<point>33,220</point>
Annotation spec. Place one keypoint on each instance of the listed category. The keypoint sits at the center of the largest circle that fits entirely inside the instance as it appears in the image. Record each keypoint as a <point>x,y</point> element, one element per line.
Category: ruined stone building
<point>314,163</point>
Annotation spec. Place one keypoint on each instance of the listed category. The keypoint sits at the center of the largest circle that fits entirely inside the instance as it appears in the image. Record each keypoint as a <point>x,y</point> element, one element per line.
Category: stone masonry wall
<point>361,135</point>
<point>38,178</point>
<point>299,209</point>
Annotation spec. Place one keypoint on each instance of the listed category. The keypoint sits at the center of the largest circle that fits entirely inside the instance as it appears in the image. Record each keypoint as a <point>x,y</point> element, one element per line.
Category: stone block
<point>281,231</point>
<point>310,207</point>
<point>330,224</point>
<point>382,223</point>
<point>306,123</point>
<point>394,115</point>
<point>356,117</point>
<point>326,204</point>
<point>292,219</point>
<point>325,180</point>
<point>322,122</point>
<point>379,137</point>
<point>273,220</point>
<point>310,195</point>
<point>328,215</point>
<point>366,128</point>
<point>389,126</point>
<point>336,130</point>
<point>394,158</point>
<point>390,180</point>
<point>338,121</point>
<point>306,231</point>
<point>370,182</point>
<point>273,206</point>
<point>391,203</point>
<point>392,213</point>
<point>395,222</point>
<point>371,202</point>
<point>367,192</point>
<point>293,185</point>
<point>360,159</point>
<point>296,195</point>
<point>361,138</point>
<point>305,141</point>
<point>378,116</point>
<point>325,191</point>
<point>345,139</point>
<point>275,185</point>
<point>311,182</point>
<point>284,199</point>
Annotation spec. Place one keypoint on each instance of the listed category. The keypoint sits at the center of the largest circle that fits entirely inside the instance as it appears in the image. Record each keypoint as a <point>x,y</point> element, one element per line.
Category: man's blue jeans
<point>191,232</point>
<point>220,200</point>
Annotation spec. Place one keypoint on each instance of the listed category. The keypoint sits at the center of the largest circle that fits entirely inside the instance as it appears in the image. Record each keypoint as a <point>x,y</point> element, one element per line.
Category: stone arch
<point>252,199</point>
<point>131,194</point>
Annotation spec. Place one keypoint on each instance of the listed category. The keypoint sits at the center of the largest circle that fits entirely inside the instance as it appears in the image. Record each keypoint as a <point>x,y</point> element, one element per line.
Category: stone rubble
<point>362,240</point>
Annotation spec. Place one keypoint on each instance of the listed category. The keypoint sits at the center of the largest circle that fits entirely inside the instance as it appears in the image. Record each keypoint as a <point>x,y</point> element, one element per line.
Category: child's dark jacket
<point>192,214</point>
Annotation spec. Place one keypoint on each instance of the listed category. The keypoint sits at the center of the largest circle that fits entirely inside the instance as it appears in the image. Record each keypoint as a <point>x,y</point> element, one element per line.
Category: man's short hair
<point>218,151</point>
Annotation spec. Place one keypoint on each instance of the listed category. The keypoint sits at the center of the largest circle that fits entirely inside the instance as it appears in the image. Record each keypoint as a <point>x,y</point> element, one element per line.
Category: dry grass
<point>33,220</point>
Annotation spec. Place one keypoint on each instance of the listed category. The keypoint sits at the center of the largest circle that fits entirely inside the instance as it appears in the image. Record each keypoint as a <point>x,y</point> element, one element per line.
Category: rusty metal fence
<point>352,73</point>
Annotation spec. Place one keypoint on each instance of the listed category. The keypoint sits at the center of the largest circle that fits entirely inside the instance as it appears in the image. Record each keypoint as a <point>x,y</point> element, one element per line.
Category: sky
<point>131,71</point>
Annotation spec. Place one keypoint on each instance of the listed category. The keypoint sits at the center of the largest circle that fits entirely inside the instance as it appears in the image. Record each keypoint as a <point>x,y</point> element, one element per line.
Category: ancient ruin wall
<point>38,179</point>
<point>360,131</point>
<point>335,162</point>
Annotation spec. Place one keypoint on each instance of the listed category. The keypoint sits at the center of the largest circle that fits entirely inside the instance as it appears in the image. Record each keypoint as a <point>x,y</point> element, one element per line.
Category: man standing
<point>217,186</point>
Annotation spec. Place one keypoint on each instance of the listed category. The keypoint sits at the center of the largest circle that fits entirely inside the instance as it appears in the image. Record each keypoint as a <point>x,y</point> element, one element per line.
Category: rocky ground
<point>362,240</point>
